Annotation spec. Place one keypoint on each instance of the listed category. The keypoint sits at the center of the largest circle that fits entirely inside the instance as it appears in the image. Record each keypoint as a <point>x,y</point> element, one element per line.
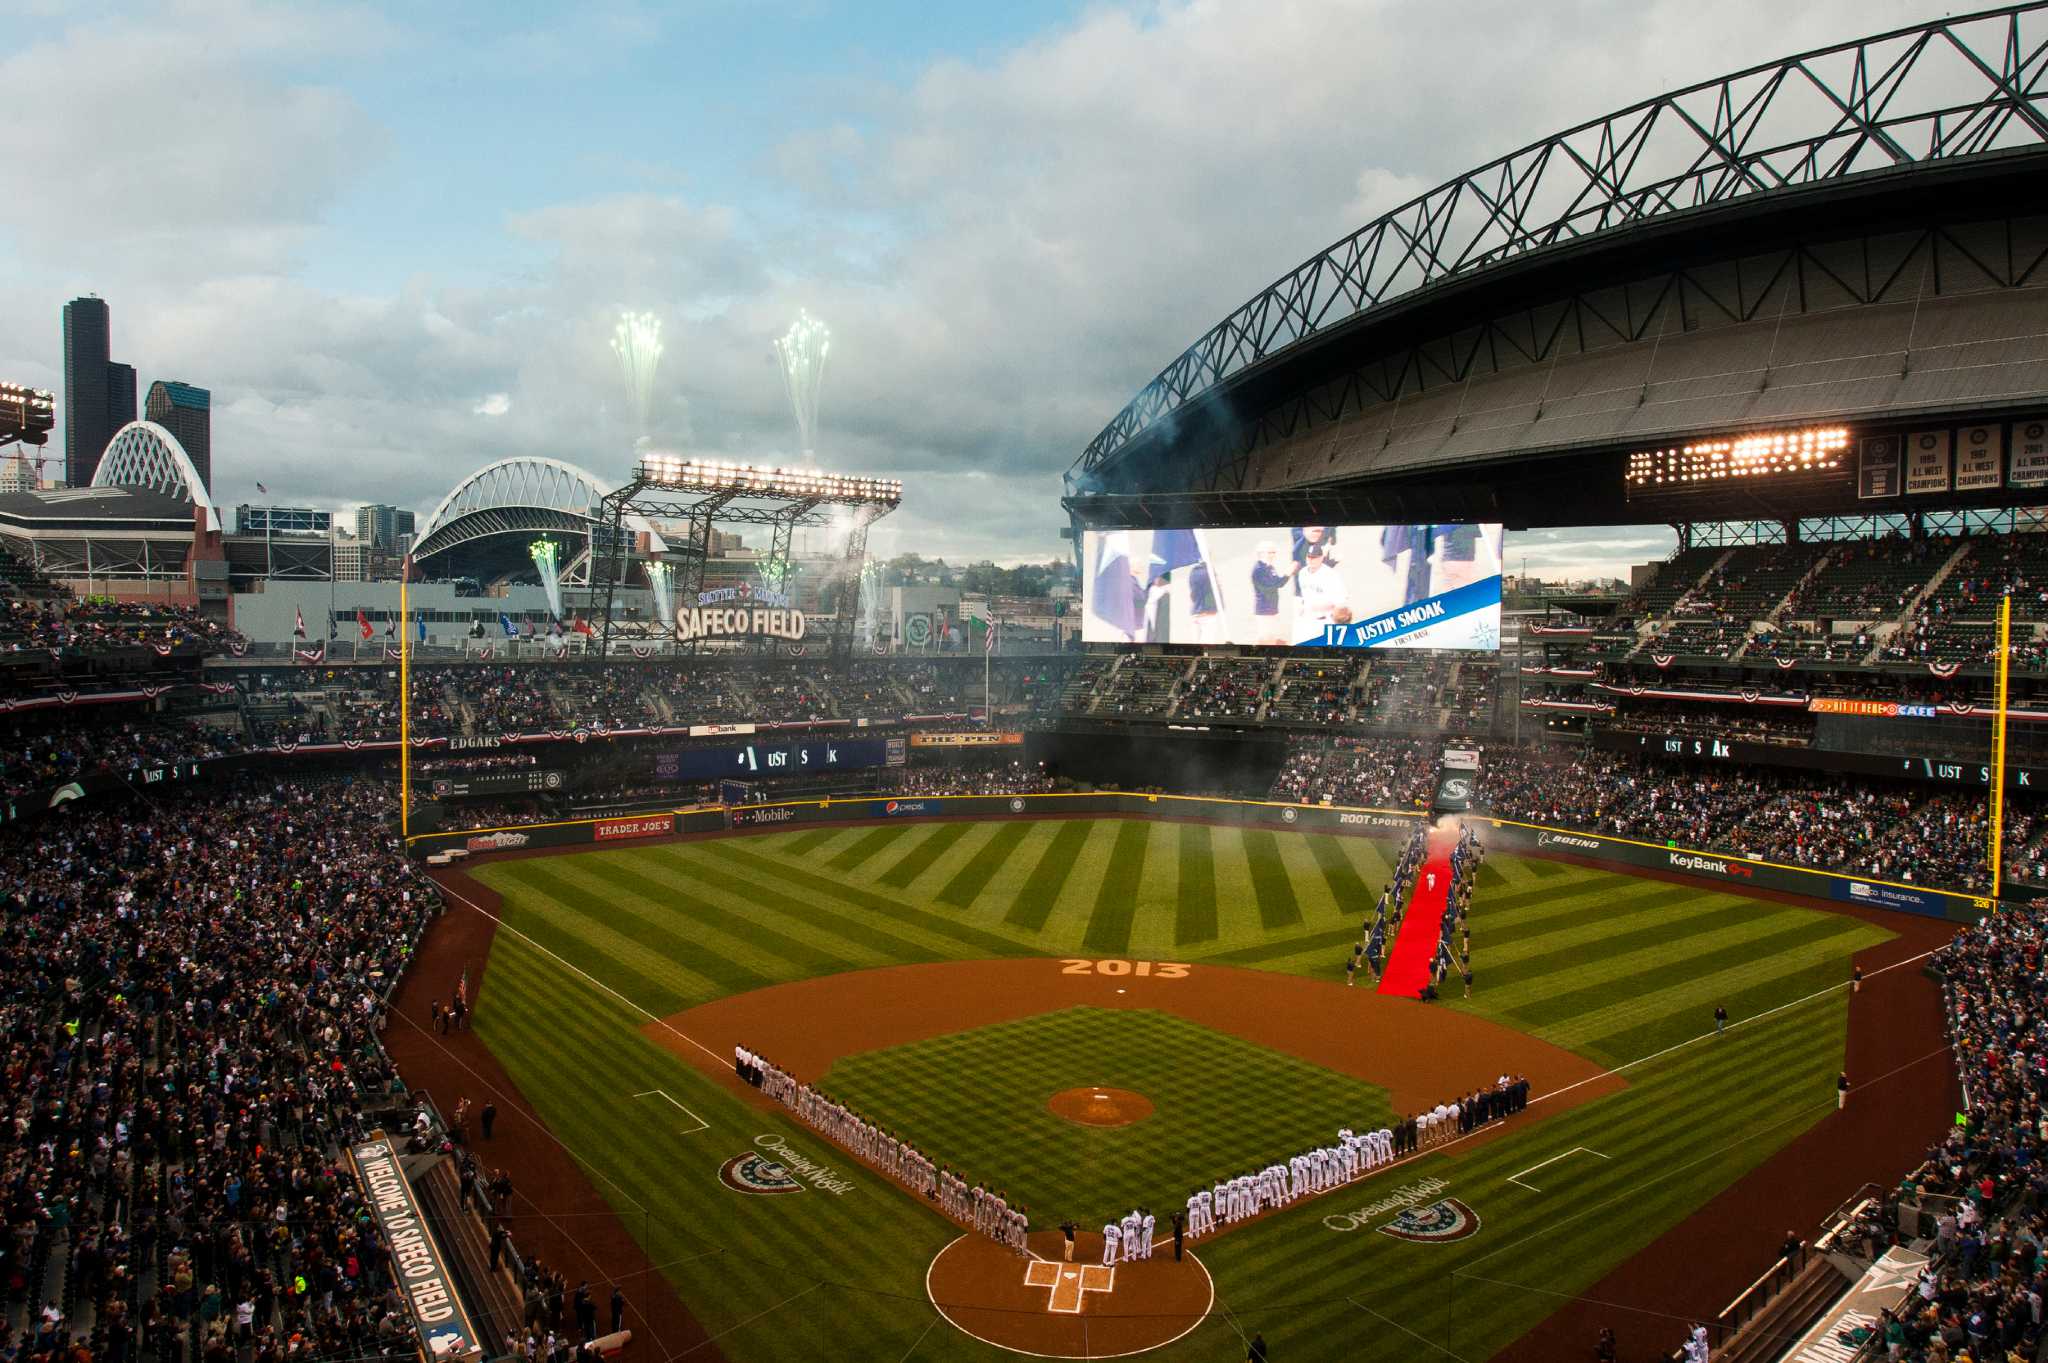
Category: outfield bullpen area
<point>960,982</point>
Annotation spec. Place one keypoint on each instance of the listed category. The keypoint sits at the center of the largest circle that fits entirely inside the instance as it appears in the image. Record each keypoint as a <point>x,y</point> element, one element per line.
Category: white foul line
<point>1575,1150</point>
<point>579,970</point>
<point>701,1124</point>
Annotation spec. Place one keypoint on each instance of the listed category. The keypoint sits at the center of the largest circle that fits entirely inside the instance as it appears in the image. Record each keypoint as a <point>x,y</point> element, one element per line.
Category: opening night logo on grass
<point>1416,1202</point>
<point>788,1162</point>
<point>757,1174</point>
<point>1443,1220</point>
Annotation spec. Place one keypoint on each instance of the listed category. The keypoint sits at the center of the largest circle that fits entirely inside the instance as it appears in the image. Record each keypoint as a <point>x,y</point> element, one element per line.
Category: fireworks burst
<point>802,351</point>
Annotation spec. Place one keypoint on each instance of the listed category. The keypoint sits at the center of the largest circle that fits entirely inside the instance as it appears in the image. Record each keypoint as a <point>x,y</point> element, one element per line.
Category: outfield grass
<point>1612,967</point>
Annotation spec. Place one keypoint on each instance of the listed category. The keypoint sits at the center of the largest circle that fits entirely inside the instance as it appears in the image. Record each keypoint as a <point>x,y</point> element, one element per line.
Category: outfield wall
<point>1619,854</point>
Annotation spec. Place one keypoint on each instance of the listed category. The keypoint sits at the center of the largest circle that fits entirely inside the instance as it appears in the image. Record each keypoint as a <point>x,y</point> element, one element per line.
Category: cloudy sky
<point>393,240</point>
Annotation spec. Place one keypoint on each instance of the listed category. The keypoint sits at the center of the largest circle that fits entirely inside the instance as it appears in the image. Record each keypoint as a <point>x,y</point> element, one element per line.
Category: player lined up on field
<point>988,1211</point>
<point>1353,1156</point>
<point>1130,1238</point>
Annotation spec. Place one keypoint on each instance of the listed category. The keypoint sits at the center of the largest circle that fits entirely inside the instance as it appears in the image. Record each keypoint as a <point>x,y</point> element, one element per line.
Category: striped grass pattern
<point>1612,967</point>
<point>977,1101</point>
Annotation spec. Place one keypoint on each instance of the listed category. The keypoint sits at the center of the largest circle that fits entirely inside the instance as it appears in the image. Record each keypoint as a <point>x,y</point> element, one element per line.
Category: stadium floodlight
<point>26,414</point>
<point>802,351</point>
<point>1773,454</point>
<point>636,340</point>
<point>711,475</point>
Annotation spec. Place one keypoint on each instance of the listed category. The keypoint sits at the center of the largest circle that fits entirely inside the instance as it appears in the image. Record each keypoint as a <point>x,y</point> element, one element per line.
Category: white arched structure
<point>516,496</point>
<point>144,455</point>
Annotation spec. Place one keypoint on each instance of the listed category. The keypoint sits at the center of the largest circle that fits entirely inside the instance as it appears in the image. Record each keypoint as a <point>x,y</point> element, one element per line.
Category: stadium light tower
<point>637,343</point>
<point>802,351</point>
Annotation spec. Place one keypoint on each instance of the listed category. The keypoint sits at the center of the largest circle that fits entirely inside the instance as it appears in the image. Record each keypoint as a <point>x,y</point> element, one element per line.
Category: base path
<point>1049,1308</point>
<point>556,1214</point>
<point>1422,926</point>
<point>1419,1053</point>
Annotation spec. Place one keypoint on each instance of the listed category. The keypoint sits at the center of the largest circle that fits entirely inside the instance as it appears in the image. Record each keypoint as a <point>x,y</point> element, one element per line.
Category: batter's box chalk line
<point>1516,1179</point>
<point>701,1124</point>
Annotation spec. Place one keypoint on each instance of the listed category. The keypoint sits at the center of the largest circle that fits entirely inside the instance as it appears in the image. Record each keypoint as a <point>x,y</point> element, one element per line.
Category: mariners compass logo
<point>757,1174</point>
<point>1440,1221</point>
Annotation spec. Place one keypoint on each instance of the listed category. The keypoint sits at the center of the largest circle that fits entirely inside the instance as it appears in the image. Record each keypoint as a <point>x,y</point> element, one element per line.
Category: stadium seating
<point>1745,586</point>
<point>1227,688</point>
<point>190,1099</point>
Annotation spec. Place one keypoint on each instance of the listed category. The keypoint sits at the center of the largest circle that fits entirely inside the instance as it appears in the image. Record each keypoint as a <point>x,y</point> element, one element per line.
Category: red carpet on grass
<point>1423,926</point>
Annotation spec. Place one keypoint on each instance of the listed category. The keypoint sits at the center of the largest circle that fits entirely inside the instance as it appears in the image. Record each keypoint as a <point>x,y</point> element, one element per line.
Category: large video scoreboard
<point>1307,586</point>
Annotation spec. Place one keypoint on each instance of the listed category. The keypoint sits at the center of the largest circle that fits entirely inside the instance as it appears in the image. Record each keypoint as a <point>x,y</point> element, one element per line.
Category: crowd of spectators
<point>1378,773</point>
<point>1985,1184</point>
<point>98,626</point>
<point>1741,723</point>
<point>191,993</point>
<point>994,776</point>
<point>1889,830</point>
<point>43,749</point>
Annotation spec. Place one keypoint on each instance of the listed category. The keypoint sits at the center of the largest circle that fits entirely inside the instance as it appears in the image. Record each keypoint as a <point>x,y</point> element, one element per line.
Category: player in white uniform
<point>1145,1229</point>
<point>1130,1227</point>
<point>1111,1233</point>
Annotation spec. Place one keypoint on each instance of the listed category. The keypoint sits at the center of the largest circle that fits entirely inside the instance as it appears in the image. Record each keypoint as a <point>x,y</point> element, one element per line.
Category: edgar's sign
<point>735,622</point>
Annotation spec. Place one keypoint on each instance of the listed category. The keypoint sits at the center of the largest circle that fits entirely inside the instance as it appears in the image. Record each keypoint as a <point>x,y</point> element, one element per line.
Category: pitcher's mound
<point>1100,1106</point>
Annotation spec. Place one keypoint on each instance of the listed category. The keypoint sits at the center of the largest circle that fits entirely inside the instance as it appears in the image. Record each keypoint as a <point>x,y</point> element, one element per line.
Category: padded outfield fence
<point>1502,835</point>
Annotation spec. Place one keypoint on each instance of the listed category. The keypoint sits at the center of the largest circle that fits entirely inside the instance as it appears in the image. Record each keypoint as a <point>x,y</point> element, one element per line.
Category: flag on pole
<point>988,640</point>
<point>420,624</point>
<point>363,623</point>
<point>298,623</point>
<point>262,489</point>
<point>582,626</point>
<point>505,623</point>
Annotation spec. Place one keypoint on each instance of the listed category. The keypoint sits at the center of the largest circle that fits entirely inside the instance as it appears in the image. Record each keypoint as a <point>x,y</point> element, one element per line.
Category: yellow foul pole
<point>405,704</point>
<point>1998,744</point>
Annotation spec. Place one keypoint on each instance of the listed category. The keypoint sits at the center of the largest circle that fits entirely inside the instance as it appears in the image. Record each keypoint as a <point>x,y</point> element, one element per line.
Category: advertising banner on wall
<point>1310,586</point>
<point>423,1276</point>
<point>640,826</point>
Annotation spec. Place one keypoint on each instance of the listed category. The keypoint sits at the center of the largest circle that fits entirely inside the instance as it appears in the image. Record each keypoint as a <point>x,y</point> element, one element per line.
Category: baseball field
<point>1098,1014</point>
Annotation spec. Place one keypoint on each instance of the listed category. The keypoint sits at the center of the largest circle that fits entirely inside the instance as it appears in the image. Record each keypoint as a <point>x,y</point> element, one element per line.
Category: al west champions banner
<point>1308,586</point>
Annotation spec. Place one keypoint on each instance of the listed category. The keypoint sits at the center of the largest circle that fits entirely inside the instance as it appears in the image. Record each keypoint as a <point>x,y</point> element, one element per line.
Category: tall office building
<point>99,395</point>
<point>186,412</point>
<point>85,388</point>
<point>384,527</point>
<point>120,396</point>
